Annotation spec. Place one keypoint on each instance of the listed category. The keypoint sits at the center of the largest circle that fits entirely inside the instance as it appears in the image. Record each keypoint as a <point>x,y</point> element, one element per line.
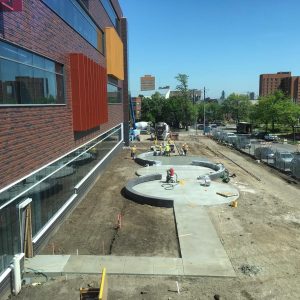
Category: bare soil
<point>261,236</point>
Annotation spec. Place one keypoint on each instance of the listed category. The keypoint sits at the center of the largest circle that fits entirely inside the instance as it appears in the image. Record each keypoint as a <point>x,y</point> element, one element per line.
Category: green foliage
<point>152,108</point>
<point>175,111</point>
<point>236,107</point>
<point>277,108</point>
<point>213,112</point>
<point>182,84</point>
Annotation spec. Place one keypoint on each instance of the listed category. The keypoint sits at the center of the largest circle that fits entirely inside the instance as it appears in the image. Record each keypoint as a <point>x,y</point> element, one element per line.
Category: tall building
<point>147,83</point>
<point>63,111</point>
<point>290,85</point>
<point>251,95</point>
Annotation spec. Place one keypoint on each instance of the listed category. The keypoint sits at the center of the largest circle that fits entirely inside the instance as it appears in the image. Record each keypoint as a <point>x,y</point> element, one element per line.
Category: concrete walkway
<point>202,253</point>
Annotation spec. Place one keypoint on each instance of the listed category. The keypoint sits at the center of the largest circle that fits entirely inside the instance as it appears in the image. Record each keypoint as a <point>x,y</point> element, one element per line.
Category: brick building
<point>290,85</point>
<point>147,83</point>
<point>137,107</point>
<point>63,111</point>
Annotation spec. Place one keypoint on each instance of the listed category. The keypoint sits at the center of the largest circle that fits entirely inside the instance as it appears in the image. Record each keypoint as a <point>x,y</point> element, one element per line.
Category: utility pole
<point>204,111</point>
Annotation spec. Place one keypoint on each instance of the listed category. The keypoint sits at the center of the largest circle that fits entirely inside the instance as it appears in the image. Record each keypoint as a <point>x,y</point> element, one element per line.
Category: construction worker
<point>172,145</point>
<point>167,150</point>
<point>133,151</point>
<point>160,149</point>
<point>185,149</point>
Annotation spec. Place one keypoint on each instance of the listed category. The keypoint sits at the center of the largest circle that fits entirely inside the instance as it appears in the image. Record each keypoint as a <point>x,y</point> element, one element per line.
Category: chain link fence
<point>267,152</point>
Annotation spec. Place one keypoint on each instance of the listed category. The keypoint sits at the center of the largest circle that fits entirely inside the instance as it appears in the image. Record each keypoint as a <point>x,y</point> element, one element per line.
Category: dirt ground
<point>261,236</point>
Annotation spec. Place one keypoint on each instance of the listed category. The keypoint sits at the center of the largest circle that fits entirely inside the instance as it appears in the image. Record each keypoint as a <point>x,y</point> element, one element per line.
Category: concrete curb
<point>141,160</point>
<point>219,168</point>
<point>142,198</point>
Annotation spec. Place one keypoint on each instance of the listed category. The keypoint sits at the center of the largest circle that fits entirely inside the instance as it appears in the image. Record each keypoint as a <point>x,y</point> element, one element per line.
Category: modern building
<point>147,83</point>
<point>165,93</point>
<point>63,111</point>
<point>194,94</point>
<point>137,107</point>
<point>290,85</point>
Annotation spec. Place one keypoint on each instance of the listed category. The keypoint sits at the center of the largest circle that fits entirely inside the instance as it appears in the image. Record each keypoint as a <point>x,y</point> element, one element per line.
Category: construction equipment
<point>162,131</point>
<point>225,177</point>
<point>171,176</point>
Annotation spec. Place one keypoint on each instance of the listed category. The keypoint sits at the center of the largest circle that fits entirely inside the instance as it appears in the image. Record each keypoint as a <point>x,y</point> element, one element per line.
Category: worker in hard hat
<point>167,150</point>
<point>161,149</point>
<point>133,151</point>
<point>185,149</point>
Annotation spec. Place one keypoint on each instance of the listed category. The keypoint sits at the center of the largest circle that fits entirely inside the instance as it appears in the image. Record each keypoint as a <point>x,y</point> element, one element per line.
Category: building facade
<point>147,83</point>
<point>290,85</point>
<point>63,111</point>
<point>137,107</point>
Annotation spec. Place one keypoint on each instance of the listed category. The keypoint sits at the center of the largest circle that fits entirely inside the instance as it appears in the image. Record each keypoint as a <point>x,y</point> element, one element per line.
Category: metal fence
<point>267,152</point>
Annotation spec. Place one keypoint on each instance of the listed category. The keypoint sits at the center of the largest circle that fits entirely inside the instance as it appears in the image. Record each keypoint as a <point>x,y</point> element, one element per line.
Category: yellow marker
<point>181,182</point>
<point>103,286</point>
<point>234,203</point>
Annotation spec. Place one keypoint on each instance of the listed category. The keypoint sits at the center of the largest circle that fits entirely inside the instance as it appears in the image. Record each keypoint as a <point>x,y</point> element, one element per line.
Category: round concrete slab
<point>183,172</point>
<point>190,192</point>
<point>171,160</point>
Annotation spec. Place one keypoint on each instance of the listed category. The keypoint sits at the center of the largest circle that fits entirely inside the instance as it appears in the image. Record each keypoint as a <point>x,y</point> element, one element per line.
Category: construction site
<point>214,224</point>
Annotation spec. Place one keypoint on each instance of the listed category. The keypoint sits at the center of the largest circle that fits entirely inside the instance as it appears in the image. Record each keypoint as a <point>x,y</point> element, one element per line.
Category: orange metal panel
<point>114,53</point>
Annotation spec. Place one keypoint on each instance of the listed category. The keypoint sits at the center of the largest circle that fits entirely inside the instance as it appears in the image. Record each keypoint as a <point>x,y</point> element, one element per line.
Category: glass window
<point>50,192</point>
<point>29,78</point>
<point>110,11</point>
<point>73,14</point>
<point>114,94</point>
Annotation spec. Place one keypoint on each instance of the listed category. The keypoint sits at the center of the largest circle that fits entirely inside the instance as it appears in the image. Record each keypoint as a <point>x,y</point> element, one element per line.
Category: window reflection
<point>113,94</point>
<point>50,189</point>
<point>110,11</point>
<point>29,78</point>
<point>73,14</point>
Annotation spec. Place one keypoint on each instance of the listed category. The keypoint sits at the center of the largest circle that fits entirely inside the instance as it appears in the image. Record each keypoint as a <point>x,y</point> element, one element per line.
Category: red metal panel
<point>88,99</point>
<point>74,63</point>
<point>82,92</point>
<point>89,93</point>
<point>104,98</point>
<point>85,84</point>
<point>95,111</point>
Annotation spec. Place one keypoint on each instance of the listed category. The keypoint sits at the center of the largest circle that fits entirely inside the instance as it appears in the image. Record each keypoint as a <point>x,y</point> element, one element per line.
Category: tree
<point>152,108</point>
<point>288,113</point>
<point>188,112</point>
<point>183,84</point>
<point>270,108</point>
<point>236,107</point>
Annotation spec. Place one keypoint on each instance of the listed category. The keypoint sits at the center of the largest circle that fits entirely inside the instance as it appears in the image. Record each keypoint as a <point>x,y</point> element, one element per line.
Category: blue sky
<point>220,44</point>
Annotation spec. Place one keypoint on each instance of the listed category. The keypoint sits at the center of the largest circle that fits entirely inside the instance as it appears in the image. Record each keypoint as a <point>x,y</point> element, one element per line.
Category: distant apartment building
<point>137,107</point>
<point>251,95</point>
<point>147,83</point>
<point>290,85</point>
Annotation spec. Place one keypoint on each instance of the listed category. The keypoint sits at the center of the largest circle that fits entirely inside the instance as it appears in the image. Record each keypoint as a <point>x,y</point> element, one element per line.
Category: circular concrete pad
<point>189,192</point>
<point>183,171</point>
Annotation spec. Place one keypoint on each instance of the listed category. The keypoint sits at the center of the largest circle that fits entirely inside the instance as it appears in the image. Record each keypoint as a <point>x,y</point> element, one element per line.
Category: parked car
<point>260,135</point>
<point>271,137</point>
<point>283,159</point>
<point>229,137</point>
<point>264,153</point>
<point>295,165</point>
